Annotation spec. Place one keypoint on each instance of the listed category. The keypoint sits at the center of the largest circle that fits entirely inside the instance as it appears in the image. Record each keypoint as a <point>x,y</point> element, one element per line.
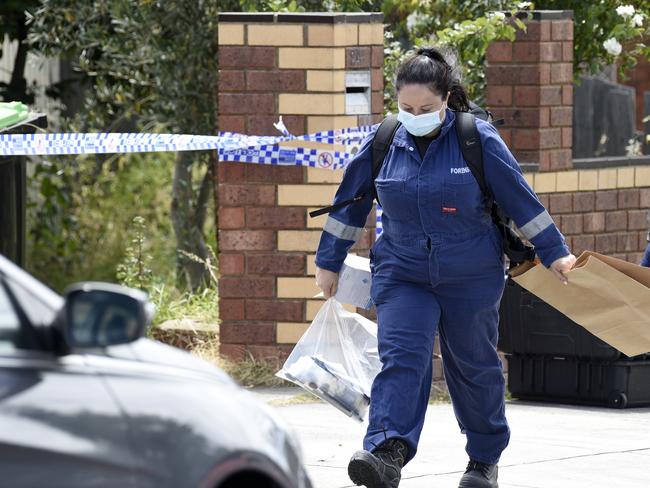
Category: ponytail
<point>430,67</point>
<point>458,99</point>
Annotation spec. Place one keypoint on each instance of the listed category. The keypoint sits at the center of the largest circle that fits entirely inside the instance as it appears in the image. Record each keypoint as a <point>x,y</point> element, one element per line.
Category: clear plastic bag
<point>336,359</point>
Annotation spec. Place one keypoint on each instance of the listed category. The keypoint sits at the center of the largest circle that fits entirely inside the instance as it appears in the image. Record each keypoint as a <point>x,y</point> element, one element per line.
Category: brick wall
<point>294,65</point>
<point>602,210</point>
<point>529,84</point>
<point>287,64</point>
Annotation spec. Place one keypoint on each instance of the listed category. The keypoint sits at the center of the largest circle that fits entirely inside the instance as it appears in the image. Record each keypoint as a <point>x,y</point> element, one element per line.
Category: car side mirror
<point>103,314</point>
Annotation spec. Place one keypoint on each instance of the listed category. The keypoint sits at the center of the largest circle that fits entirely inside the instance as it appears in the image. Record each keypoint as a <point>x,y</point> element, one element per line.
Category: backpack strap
<point>381,142</point>
<point>336,206</point>
<point>380,146</point>
<point>472,149</point>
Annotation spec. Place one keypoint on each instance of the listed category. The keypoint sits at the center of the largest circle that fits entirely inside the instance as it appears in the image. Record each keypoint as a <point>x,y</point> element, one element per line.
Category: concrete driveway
<point>552,446</point>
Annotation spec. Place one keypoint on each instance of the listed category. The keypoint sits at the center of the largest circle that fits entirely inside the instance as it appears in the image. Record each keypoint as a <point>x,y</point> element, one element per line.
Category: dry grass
<point>253,372</point>
<point>249,372</point>
<point>187,338</point>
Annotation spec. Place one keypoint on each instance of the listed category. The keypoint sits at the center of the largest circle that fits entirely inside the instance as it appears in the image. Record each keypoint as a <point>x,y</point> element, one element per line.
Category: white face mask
<point>420,125</point>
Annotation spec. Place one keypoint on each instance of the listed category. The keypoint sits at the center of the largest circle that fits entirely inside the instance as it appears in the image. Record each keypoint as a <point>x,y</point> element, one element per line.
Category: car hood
<point>153,352</point>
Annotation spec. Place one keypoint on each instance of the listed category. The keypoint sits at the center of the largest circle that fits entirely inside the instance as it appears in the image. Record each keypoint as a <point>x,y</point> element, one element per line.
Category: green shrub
<point>81,210</point>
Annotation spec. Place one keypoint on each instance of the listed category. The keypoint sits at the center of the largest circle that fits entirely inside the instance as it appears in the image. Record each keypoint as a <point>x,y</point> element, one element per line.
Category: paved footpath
<point>552,446</point>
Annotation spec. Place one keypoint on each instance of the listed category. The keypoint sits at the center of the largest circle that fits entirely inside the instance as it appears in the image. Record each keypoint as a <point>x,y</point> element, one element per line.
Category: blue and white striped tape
<point>230,146</point>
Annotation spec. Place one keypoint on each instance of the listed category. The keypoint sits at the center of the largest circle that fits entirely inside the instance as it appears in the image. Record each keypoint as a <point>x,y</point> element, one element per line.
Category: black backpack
<point>470,145</point>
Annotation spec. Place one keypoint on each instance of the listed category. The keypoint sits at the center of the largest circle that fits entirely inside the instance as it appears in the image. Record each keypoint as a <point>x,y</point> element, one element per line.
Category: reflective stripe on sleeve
<point>341,230</point>
<point>537,225</point>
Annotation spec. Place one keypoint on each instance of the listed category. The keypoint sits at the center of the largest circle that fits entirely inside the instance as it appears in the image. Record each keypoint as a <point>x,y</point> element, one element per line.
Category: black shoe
<point>480,475</point>
<point>380,468</point>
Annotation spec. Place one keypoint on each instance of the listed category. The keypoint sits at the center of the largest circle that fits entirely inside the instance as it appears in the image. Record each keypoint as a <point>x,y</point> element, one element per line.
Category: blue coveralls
<point>438,267</point>
<point>645,261</point>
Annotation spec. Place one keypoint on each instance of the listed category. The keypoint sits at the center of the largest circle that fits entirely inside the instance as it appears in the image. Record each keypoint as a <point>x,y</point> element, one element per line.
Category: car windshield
<point>9,323</point>
<point>37,312</point>
<point>38,302</point>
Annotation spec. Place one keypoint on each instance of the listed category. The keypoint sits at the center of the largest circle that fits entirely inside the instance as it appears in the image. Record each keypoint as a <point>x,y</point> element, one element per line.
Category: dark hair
<point>429,67</point>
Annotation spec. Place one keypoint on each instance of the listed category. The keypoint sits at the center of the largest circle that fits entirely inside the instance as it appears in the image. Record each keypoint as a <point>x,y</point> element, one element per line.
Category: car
<point>86,400</point>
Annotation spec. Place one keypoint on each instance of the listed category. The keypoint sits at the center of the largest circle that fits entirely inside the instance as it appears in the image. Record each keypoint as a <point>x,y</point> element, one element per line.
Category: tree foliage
<point>145,60</point>
<point>14,17</point>
<point>469,26</point>
<point>81,218</point>
<point>301,5</point>
<point>466,40</point>
<point>596,22</point>
<point>147,65</point>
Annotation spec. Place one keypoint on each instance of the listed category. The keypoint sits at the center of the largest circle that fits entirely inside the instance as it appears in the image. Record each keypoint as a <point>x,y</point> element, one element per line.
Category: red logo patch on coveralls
<point>449,210</point>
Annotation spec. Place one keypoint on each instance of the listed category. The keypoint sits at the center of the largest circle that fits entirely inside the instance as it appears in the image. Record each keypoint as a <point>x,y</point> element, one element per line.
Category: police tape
<point>230,147</point>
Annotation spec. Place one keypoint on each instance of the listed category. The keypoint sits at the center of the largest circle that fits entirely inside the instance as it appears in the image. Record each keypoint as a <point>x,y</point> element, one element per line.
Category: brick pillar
<point>530,85</point>
<point>292,65</point>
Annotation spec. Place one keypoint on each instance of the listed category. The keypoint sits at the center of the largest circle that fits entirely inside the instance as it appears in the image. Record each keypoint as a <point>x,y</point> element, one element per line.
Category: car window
<point>37,312</point>
<point>9,323</point>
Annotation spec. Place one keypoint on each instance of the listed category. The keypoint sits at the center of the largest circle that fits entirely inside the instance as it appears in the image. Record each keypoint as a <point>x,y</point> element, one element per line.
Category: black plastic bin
<point>529,325</point>
<point>616,384</point>
<point>13,197</point>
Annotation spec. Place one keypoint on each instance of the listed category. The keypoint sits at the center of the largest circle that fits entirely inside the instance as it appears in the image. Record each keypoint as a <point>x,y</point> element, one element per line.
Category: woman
<point>437,267</point>
<point>645,261</point>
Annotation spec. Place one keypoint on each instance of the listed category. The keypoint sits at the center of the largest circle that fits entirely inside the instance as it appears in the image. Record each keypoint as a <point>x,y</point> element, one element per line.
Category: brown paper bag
<point>607,296</point>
